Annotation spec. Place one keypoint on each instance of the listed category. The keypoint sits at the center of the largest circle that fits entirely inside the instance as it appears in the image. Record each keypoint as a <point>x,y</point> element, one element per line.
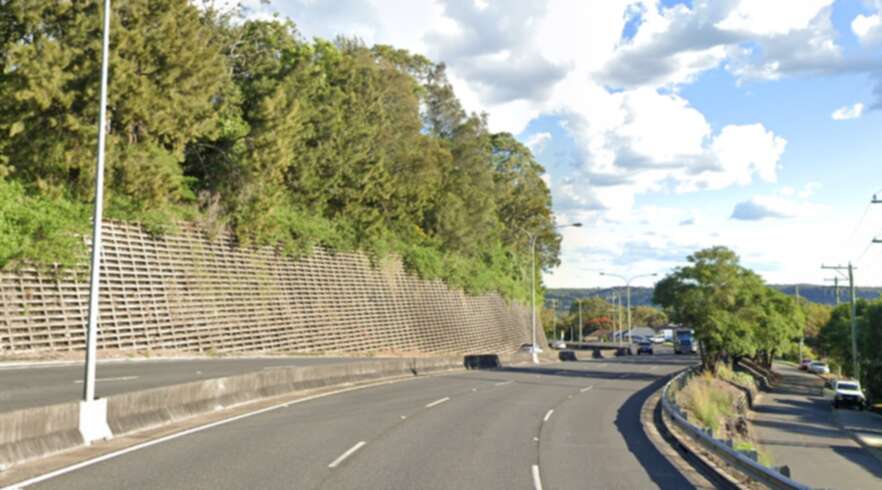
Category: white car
<point>848,393</point>
<point>558,344</point>
<point>819,368</point>
<point>529,348</point>
<point>658,339</point>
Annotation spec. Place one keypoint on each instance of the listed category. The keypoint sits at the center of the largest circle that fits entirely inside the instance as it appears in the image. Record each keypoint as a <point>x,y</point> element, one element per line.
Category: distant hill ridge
<point>643,296</point>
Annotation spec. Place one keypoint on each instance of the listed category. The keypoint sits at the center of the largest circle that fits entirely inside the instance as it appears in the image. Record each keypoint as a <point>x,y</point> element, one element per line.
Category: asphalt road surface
<point>553,426</point>
<point>795,424</point>
<point>32,386</point>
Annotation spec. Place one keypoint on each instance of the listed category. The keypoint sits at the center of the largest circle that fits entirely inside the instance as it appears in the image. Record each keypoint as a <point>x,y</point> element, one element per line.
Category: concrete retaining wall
<point>188,292</point>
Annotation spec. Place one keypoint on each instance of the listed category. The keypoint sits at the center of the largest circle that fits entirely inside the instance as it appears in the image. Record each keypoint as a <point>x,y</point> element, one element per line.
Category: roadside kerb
<point>36,432</point>
<point>738,461</point>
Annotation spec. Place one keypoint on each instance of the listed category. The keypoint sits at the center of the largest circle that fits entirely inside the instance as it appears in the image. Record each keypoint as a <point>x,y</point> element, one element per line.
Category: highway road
<point>553,426</point>
<point>23,386</point>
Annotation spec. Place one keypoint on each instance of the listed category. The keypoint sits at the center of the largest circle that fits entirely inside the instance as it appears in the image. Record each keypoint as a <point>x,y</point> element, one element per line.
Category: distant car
<point>558,344</point>
<point>658,339</point>
<point>848,393</point>
<point>529,348</point>
<point>644,347</point>
<point>819,368</point>
<point>805,364</point>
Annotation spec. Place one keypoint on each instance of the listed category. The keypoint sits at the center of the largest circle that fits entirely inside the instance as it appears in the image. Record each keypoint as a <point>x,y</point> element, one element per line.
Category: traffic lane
<point>603,436</point>
<point>23,387</point>
<point>285,448</point>
<point>497,444</point>
<point>794,423</point>
<point>488,442</point>
<point>294,446</point>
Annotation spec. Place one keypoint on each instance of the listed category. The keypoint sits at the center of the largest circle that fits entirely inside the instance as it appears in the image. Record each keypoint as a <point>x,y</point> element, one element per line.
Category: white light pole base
<point>535,358</point>
<point>93,421</point>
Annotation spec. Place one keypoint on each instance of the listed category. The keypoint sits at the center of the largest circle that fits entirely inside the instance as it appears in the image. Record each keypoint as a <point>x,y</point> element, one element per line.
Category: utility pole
<point>802,337</point>
<point>581,325</point>
<point>854,354</point>
<point>554,319</point>
<point>835,287</point>
<point>619,316</point>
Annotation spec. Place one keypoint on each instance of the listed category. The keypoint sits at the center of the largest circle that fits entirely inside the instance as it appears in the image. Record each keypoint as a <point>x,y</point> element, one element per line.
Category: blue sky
<point>666,126</point>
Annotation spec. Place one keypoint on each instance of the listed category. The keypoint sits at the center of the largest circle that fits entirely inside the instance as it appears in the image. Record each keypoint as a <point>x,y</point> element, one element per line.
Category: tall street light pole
<point>93,413</point>
<point>533,285</point>
<point>628,293</point>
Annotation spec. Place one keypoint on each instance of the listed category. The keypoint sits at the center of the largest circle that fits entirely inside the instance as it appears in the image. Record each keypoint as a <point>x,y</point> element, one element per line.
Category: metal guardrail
<point>739,461</point>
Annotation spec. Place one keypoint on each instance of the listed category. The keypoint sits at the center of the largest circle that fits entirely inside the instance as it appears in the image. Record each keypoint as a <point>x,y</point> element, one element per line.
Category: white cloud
<point>781,205</point>
<point>536,143</point>
<point>764,18</point>
<point>867,28</point>
<point>847,112</point>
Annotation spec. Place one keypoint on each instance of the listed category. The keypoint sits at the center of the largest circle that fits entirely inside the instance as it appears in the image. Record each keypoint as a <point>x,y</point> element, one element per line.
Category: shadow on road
<point>859,456</point>
<point>629,425</point>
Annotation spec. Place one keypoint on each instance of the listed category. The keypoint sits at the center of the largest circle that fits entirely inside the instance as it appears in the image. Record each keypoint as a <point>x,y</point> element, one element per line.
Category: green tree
<point>165,86</point>
<point>716,297</point>
<point>648,316</point>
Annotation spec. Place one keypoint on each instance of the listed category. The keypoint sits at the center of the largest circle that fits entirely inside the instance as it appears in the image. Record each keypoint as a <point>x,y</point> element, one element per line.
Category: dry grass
<point>709,400</point>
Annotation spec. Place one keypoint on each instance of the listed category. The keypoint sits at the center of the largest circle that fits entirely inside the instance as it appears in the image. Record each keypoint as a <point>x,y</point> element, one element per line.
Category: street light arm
<point>642,275</point>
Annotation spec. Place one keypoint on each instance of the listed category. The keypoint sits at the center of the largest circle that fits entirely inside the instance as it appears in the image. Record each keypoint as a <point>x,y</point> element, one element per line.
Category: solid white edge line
<point>121,452</point>
<point>345,455</point>
<point>548,415</point>
<point>583,390</point>
<point>438,402</point>
<point>537,481</point>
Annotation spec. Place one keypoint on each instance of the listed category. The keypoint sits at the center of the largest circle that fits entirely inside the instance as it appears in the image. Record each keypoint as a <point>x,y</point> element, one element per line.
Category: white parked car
<point>848,393</point>
<point>558,344</point>
<point>529,348</point>
<point>819,368</point>
<point>658,339</point>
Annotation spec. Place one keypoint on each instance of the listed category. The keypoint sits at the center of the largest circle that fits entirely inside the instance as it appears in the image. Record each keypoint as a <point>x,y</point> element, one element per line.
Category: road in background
<point>38,385</point>
<point>563,425</point>
<point>795,424</point>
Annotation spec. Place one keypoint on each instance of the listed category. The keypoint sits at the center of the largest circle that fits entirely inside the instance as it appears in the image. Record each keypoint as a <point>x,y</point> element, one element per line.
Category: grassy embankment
<point>713,403</point>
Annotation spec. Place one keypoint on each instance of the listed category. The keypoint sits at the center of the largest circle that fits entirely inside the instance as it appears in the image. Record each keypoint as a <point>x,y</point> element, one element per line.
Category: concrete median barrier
<point>148,408</point>
<point>567,355</point>
<point>605,352</point>
<point>35,432</point>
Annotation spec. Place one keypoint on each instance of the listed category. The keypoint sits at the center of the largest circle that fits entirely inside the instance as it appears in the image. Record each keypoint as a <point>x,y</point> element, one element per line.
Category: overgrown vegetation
<point>245,126</point>
<point>834,342</point>
<point>734,314</point>
<point>721,408</point>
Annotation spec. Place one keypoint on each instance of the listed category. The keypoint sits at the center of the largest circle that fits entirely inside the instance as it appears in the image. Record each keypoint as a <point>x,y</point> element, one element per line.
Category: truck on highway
<point>684,341</point>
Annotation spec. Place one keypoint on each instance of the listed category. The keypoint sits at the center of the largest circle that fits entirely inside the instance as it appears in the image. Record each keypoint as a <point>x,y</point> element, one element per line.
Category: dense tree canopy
<point>732,312</point>
<point>834,341</point>
<point>243,125</point>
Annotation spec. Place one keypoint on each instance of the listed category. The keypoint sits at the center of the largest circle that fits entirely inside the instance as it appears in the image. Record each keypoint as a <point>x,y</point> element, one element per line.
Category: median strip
<point>438,402</point>
<point>345,455</point>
